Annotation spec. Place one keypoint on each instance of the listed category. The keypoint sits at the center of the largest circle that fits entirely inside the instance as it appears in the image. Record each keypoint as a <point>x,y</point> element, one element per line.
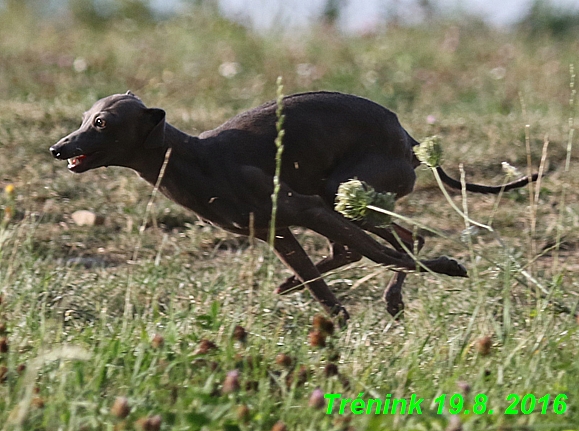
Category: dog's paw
<point>452,267</point>
<point>289,285</point>
<point>394,304</point>
<point>341,315</point>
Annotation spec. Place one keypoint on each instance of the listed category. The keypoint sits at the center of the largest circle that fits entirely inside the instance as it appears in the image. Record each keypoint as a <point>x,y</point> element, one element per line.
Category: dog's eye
<point>99,122</point>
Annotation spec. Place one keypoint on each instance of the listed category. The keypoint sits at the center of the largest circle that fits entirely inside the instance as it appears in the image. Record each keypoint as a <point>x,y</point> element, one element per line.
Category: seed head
<point>121,408</point>
<point>155,423</point>
<point>205,346</point>
<point>323,324</point>
<point>317,339</point>
<point>231,382</point>
<point>454,423</point>
<point>463,387</point>
<point>354,197</point>
<point>317,399</point>
<point>279,426</point>
<point>4,347</point>
<point>483,345</point>
<point>37,402</point>
<point>429,151</point>
<point>239,334</point>
<point>283,360</point>
<point>243,412</point>
<point>158,341</point>
<point>151,423</point>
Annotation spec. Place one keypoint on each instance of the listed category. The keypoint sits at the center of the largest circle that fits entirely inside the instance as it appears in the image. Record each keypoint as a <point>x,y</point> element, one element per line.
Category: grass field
<point>94,314</point>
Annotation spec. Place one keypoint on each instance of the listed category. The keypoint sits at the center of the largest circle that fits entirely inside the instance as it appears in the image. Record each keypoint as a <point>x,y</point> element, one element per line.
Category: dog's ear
<point>156,119</point>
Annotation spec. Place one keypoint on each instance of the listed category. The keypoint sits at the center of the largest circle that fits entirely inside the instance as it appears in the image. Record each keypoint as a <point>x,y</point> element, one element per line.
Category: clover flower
<point>358,200</point>
<point>429,151</point>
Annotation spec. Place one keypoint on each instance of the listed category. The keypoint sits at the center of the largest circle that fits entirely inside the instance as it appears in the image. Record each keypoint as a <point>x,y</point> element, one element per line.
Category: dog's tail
<point>479,188</point>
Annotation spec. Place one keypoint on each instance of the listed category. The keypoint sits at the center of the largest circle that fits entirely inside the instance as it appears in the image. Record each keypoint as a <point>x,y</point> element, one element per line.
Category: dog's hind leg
<point>340,255</point>
<point>290,252</point>
<point>311,212</point>
<point>402,240</point>
<point>414,243</point>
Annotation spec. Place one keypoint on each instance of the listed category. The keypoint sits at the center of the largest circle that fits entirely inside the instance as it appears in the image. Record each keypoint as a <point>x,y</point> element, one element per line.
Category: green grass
<point>85,334</point>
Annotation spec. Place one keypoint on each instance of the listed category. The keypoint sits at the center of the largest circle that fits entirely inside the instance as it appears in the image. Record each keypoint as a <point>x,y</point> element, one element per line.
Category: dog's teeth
<point>75,161</point>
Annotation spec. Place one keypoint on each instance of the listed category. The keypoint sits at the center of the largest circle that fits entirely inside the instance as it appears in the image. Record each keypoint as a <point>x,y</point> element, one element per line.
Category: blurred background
<point>353,16</point>
<point>61,35</point>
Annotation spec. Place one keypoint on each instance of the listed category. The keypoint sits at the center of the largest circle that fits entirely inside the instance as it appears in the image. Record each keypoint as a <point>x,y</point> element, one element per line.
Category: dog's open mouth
<point>85,162</point>
<point>75,161</point>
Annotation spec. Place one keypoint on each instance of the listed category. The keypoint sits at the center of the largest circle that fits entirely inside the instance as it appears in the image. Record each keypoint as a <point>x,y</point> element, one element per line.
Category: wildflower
<point>231,382</point>
<point>121,408</point>
<point>317,339</point>
<point>239,333</point>
<point>463,387</point>
<point>483,345</point>
<point>158,341</point>
<point>9,191</point>
<point>37,402</point>
<point>79,65</point>
<point>323,324</point>
<point>316,400</point>
<point>151,423</point>
<point>354,198</point>
<point>204,347</point>
<point>229,69</point>
<point>283,360</point>
<point>243,413</point>
<point>4,347</point>
<point>510,170</point>
<point>429,151</point>
<point>279,426</point>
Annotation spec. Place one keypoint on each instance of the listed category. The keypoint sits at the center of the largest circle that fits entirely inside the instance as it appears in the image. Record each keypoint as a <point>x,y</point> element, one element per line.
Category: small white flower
<point>79,65</point>
<point>510,170</point>
<point>229,69</point>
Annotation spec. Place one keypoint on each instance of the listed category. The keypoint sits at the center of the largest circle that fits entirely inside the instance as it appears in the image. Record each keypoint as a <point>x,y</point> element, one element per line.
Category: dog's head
<point>113,132</point>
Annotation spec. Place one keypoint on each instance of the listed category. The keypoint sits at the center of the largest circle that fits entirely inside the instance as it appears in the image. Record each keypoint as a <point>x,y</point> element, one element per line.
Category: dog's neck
<point>150,162</point>
<point>182,168</point>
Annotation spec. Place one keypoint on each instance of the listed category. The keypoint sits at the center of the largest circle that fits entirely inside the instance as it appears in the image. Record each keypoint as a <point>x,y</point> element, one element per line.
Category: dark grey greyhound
<point>226,176</point>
